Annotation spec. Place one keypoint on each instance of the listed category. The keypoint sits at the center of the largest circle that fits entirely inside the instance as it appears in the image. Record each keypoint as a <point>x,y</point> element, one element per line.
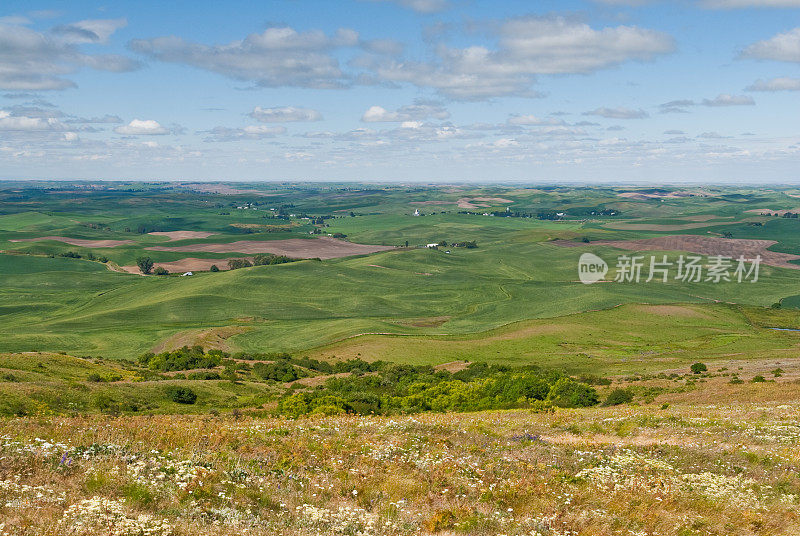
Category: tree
<point>567,393</point>
<point>697,368</point>
<point>145,264</point>
<point>214,268</point>
<point>161,271</point>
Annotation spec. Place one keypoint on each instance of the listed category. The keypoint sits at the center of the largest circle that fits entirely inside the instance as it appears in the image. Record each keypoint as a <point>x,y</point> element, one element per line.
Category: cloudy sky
<point>402,90</point>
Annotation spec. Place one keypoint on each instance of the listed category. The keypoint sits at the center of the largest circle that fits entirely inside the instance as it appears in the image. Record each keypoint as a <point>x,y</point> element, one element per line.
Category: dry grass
<point>720,460</point>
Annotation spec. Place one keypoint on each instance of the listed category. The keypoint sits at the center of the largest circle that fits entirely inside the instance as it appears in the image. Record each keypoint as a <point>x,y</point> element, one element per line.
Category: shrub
<point>235,264</point>
<point>758,379</point>
<point>161,271</point>
<point>181,395</point>
<point>214,268</point>
<point>145,264</point>
<point>618,396</point>
<point>698,368</point>
<point>567,393</point>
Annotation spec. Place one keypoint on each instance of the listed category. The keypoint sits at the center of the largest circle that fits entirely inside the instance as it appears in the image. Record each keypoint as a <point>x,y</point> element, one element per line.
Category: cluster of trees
<point>259,260</point>
<point>182,359</point>
<point>269,259</point>
<point>397,388</point>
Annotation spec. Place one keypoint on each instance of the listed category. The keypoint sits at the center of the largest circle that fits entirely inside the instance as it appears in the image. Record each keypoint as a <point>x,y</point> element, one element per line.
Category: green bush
<point>567,393</point>
<point>181,395</point>
<point>618,396</point>
<point>161,271</point>
<point>698,368</point>
<point>214,268</point>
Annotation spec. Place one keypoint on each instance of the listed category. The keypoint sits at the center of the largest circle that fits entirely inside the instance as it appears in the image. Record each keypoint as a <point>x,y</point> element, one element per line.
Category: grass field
<point>515,274</point>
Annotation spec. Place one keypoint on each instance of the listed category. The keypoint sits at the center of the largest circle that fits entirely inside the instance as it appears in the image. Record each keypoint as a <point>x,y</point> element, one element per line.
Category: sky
<point>402,90</point>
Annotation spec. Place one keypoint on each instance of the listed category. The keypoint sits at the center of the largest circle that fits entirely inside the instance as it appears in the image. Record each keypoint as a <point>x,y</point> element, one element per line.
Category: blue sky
<point>402,90</point>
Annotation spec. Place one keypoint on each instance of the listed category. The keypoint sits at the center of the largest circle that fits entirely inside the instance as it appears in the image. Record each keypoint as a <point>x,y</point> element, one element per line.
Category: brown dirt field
<point>303,248</point>
<point>626,226</point>
<point>469,202</point>
<point>182,235</point>
<point>703,245</point>
<point>189,264</point>
<point>78,241</point>
<point>210,339</point>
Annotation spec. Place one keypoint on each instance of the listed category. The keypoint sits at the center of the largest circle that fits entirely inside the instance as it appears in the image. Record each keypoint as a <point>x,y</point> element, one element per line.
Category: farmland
<point>345,378</point>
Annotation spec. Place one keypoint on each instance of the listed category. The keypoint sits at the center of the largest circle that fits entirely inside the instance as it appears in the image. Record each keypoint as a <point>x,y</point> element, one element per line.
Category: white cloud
<point>729,100</point>
<point>528,46</point>
<point>618,113</point>
<point>532,120</point>
<point>280,56</point>
<point>775,84</point>
<point>782,47</point>
<point>284,114</point>
<point>88,31</point>
<point>676,106</point>
<point>30,60</point>
<point>17,123</point>
<point>258,132</point>
<point>421,109</point>
<point>139,127</point>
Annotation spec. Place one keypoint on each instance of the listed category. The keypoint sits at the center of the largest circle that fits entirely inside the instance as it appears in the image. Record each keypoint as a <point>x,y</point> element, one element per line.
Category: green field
<point>413,295</point>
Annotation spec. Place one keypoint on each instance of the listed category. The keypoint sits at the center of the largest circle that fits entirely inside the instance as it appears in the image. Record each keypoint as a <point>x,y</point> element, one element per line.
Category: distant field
<point>514,275</point>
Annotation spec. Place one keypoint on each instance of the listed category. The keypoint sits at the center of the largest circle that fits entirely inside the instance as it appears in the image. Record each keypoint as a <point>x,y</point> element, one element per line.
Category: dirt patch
<point>189,264</point>
<point>308,248</point>
<point>453,366</point>
<point>626,226</point>
<point>182,235</point>
<point>703,245</point>
<point>210,339</point>
<point>480,202</point>
<point>79,241</point>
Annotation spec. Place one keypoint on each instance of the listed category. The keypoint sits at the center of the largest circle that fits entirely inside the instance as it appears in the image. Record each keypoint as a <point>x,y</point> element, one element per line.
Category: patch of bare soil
<point>453,366</point>
<point>480,202</point>
<point>79,241</point>
<point>301,248</point>
<point>182,235</point>
<point>210,339</point>
<point>704,245</point>
<point>189,264</point>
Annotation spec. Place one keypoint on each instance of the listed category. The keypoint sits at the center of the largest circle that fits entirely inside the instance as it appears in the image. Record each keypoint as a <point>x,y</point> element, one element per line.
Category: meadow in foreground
<point>718,459</point>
